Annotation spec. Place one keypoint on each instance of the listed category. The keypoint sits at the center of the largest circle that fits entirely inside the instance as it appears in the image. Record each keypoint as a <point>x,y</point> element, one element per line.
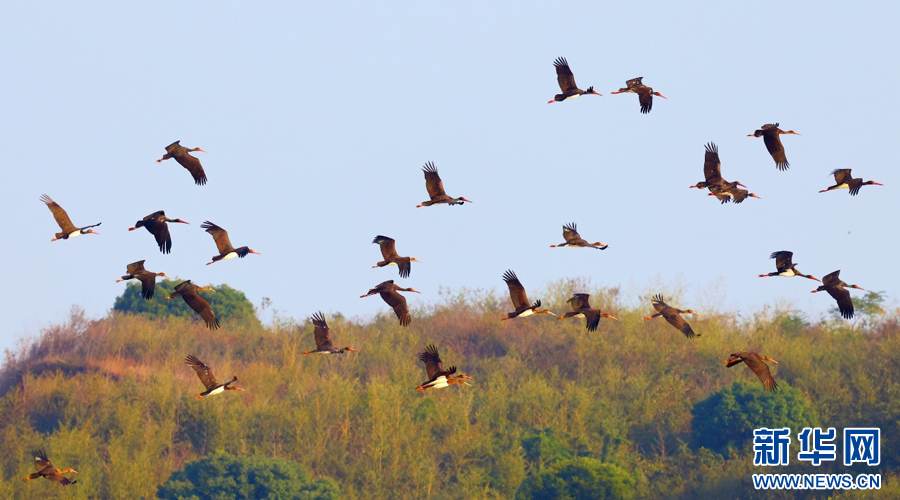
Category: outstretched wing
<point>842,176</point>
<point>433,181</point>
<point>580,301</point>
<point>761,370</point>
<point>658,303</point>
<point>205,373</point>
<point>62,218</point>
<point>516,291</point>
<point>148,284</point>
<point>201,307</point>
<point>398,303</point>
<point>322,332</point>
<point>41,460</point>
<point>832,279</point>
<point>433,365</point>
<point>135,267</point>
<point>220,236</point>
<point>570,232</point>
<point>783,260</point>
<point>564,75</point>
<point>844,302</point>
<point>678,322</point>
<point>712,167</point>
<point>388,251</point>
<point>773,144</point>
<point>192,164</point>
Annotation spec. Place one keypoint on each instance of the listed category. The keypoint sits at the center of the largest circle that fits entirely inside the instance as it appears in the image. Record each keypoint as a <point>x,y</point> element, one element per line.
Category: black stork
<point>435,188</point>
<point>785,266</point>
<point>438,377</point>
<point>573,239</point>
<point>388,291</point>
<point>208,378</point>
<point>191,295</point>
<point>226,251</point>
<point>391,257</point>
<point>322,334</point>
<point>755,362</point>
<point>712,170</point>
<point>191,163</point>
<point>566,81</point>
<point>46,470</point>
<point>65,223</point>
<point>155,224</point>
<point>136,271</point>
<point>770,134</point>
<point>832,284</point>
<point>843,180</point>
<point>672,315</point>
<point>520,299</point>
<point>645,93</point>
<point>581,308</point>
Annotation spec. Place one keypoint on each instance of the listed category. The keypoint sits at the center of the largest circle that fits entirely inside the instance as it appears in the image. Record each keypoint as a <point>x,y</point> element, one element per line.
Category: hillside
<point>113,399</point>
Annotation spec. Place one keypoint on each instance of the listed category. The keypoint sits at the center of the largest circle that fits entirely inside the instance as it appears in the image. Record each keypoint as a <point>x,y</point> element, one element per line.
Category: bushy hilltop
<point>634,410</point>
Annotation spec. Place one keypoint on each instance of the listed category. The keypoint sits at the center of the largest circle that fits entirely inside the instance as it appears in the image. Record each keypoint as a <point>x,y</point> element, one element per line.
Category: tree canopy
<point>579,478</point>
<point>228,303</point>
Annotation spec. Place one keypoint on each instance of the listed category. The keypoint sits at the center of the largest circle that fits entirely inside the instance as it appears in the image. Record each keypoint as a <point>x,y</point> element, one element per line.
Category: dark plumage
<point>136,271</point>
<point>191,163</point>
<point>843,180</point>
<point>645,93</point>
<point>566,81</point>
<point>755,362</point>
<point>191,295</point>
<point>322,334</point>
<point>520,299</point>
<point>785,266</point>
<point>155,223</point>
<point>581,308</point>
<point>672,315</point>
<point>65,223</point>
<point>45,469</point>
<point>832,284</point>
<point>208,378</point>
<point>388,291</point>
<point>435,188</point>
<point>223,244</point>
<point>770,134</point>
<point>573,239</point>
<point>391,257</point>
<point>438,377</point>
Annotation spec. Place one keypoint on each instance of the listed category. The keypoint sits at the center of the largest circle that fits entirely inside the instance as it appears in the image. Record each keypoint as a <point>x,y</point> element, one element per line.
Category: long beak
<point>741,185</point>
<point>132,228</point>
<point>254,251</point>
<point>237,388</point>
<point>610,316</point>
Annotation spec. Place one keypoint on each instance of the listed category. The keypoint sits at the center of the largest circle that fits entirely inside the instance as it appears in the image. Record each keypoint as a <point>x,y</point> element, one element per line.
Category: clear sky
<point>317,119</point>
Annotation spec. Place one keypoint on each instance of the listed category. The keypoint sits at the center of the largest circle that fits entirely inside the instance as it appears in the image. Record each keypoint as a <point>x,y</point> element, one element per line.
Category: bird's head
<point>591,90</point>
<point>766,358</point>
<point>412,290</point>
<point>691,311</point>
<point>790,132</point>
<point>739,184</point>
<point>89,231</point>
<point>872,183</point>
<point>758,133</point>
<point>180,221</point>
<point>196,149</point>
<point>699,185</point>
<point>463,199</point>
<point>856,287</point>
<point>234,388</point>
<point>659,95</point>
<point>164,275</point>
<point>810,276</point>
<point>754,196</point>
<point>413,259</point>
<point>610,316</point>
<point>350,349</point>
<point>207,287</point>
<point>254,251</point>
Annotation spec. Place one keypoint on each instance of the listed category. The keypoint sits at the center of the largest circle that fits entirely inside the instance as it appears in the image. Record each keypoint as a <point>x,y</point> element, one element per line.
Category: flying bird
<point>566,81</point>
<point>438,377</point>
<point>191,163</point>
<point>435,188</point>
<point>842,180</point>
<point>573,239</point>
<point>391,258</point>
<point>226,251</point>
<point>322,334</point>
<point>208,378</point>
<point>712,170</point>
<point>770,134</point>
<point>786,268</point>
<point>191,295</point>
<point>65,223</point>
<point>45,469</point>
<point>755,362</point>
<point>672,315</point>
<point>388,291</point>
<point>155,223</point>
<point>581,308</point>
<point>645,93</point>
<point>136,271</point>
<point>520,299</point>
<point>832,284</point>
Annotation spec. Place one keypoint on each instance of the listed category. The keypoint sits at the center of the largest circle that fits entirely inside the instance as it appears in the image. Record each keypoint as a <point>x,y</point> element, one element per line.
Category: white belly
<point>217,390</point>
<point>75,234</point>
<point>842,186</point>
<point>392,263</point>
<point>788,274</point>
<point>230,255</point>
<point>573,96</point>
<point>527,313</point>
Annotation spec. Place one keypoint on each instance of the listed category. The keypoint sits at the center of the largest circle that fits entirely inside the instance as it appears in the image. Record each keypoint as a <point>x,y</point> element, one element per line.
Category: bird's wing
<point>564,75</point>
<point>658,303</point>
<point>592,319</point>
<point>783,260</point>
<point>172,148</point>
<point>398,303</point>
<point>678,322</point>
<point>404,267</point>
<point>56,477</point>
<point>735,358</point>
<point>201,307</point>
<point>160,231</point>
<point>516,290</point>
<point>220,236</point>
<point>433,365</point>
<point>762,371</point>
<point>844,302</point>
<point>148,284</point>
<point>192,164</point>
<point>570,233</point>
<point>580,301</point>
<point>841,176</point>
<point>739,194</point>
<point>322,332</point>
<point>634,82</point>
<point>646,99</point>
<point>135,267</point>
<point>40,460</point>
<point>712,167</point>
<point>62,218</point>
<point>433,181</point>
<point>205,373</point>
<point>388,250</point>
<point>854,185</point>
<point>832,279</point>
<point>773,144</point>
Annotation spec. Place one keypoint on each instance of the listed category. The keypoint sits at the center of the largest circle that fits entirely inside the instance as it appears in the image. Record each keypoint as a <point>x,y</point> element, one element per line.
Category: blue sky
<point>318,118</point>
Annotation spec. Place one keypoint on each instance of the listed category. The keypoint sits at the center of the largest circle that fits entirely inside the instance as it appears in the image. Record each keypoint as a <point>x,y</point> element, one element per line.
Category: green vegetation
<point>229,304</point>
<point>633,410</point>
<point>239,478</point>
